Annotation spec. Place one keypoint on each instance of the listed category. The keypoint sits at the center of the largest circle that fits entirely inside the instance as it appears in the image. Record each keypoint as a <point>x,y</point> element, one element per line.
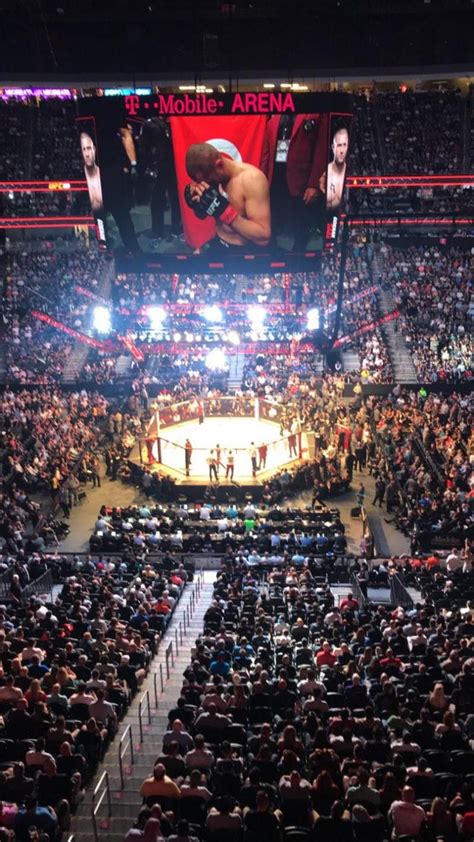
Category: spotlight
<point>189,337</point>
<point>213,313</point>
<point>157,316</point>
<point>102,320</point>
<point>256,316</point>
<point>176,337</point>
<point>312,317</point>
<point>216,360</point>
<point>233,337</point>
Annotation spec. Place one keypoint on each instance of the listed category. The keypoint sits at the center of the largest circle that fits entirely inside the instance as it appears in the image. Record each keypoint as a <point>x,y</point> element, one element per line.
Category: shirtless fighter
<point>92,172</point>
<point>234,193</point>
<point>336,172</point>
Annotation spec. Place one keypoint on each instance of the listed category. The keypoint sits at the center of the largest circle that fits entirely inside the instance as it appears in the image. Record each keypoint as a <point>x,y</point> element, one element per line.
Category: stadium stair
<point>350,360</point>
<point>236,371</point>
<point>123,366</point>
<point>78,356</point>
<point>126,803</point>
<point>402,364</point>
<point>403,369</point>
<point>75,363</point>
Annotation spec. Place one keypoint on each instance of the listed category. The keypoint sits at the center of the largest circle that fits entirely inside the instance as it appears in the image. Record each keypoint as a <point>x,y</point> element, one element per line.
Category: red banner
<point>389,317</point>
<point>89,294</point>
<point>81,337</point>
<point>239,138</point>
<point>132,348</point>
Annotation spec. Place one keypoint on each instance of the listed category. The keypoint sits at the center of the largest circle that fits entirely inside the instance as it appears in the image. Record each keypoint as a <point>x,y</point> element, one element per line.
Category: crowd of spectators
<point>311,719</point>
<point>47,437</point>
<point>36,352</point>
<point>252,531</point>
<point>56,150</point>
<point>365,157</point>
<point>423,456</point>
<point>70,669</point>
<point>439,333</point>
<point>16,123</point>
<point>421,200</point>
<point>422,132</point>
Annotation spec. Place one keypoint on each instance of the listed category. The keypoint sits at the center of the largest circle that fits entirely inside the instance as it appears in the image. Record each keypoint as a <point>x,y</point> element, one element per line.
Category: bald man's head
<point>340,145</point>
<point>204,163</point>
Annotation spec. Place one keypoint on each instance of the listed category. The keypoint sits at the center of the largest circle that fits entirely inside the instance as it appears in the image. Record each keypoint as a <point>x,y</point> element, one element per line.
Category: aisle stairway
<point>402,364</point>
<point>403,369</point>
<point>78,356</point>
<point>126,803</point>
<point>234,381</point>
<point>350,360</point>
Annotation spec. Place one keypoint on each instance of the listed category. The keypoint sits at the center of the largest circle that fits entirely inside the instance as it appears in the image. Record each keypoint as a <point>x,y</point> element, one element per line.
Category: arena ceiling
<point>192,37</point>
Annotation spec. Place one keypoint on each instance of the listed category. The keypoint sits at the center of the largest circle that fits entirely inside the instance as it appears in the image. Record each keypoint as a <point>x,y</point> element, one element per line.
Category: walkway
<point>145,723</point>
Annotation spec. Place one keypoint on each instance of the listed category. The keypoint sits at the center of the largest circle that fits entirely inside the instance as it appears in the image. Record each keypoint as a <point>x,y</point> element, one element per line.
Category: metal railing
<point>398,592</point>
<point>357,590</point>
<point>168,655</point>
<point>101,793</point>
<point>126,742</point>
<point>5,582</point>
<point>44,584</point>
<point>144,709</point>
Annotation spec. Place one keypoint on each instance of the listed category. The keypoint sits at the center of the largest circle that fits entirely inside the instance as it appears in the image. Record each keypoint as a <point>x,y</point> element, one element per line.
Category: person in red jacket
<point>325,658</point>
<point>294,158</point>
<point>349,603</point>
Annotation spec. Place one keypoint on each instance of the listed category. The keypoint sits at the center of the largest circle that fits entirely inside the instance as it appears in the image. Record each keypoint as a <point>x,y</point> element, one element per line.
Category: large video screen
<point>200,175</point>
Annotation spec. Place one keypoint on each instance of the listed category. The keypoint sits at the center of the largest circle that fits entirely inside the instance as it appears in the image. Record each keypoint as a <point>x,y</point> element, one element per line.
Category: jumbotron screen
<point>236,174</point>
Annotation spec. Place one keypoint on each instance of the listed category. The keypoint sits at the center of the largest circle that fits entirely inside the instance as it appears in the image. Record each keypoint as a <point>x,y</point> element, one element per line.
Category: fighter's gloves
<point>212,203</point>
<point>193,203</point>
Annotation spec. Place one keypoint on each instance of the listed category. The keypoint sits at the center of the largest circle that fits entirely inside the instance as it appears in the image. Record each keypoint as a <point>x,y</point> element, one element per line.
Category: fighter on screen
<point>332,182</point>
<point>235,194</point>
<point>92,172</point>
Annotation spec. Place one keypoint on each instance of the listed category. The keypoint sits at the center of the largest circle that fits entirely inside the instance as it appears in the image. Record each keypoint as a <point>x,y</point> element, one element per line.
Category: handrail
<point>96,805</point>
<point>126,738</point>
<point>43,584</point>
<point>168,654</point>
<point>357,590</point>
<point>398,592</point>
<point>144,708</point>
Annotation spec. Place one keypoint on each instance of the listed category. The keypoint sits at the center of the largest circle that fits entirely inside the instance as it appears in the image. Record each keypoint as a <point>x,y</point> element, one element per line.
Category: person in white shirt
<point>103,711</point>
<point>309,684</point>
<point>81,697</point>
<point>406,816</point>
<point>195,788</point>
<point>30,650</point>
<point>419,639</point>
<point>453,562</point>
<point>204,513</point>
<point>39,757</point>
